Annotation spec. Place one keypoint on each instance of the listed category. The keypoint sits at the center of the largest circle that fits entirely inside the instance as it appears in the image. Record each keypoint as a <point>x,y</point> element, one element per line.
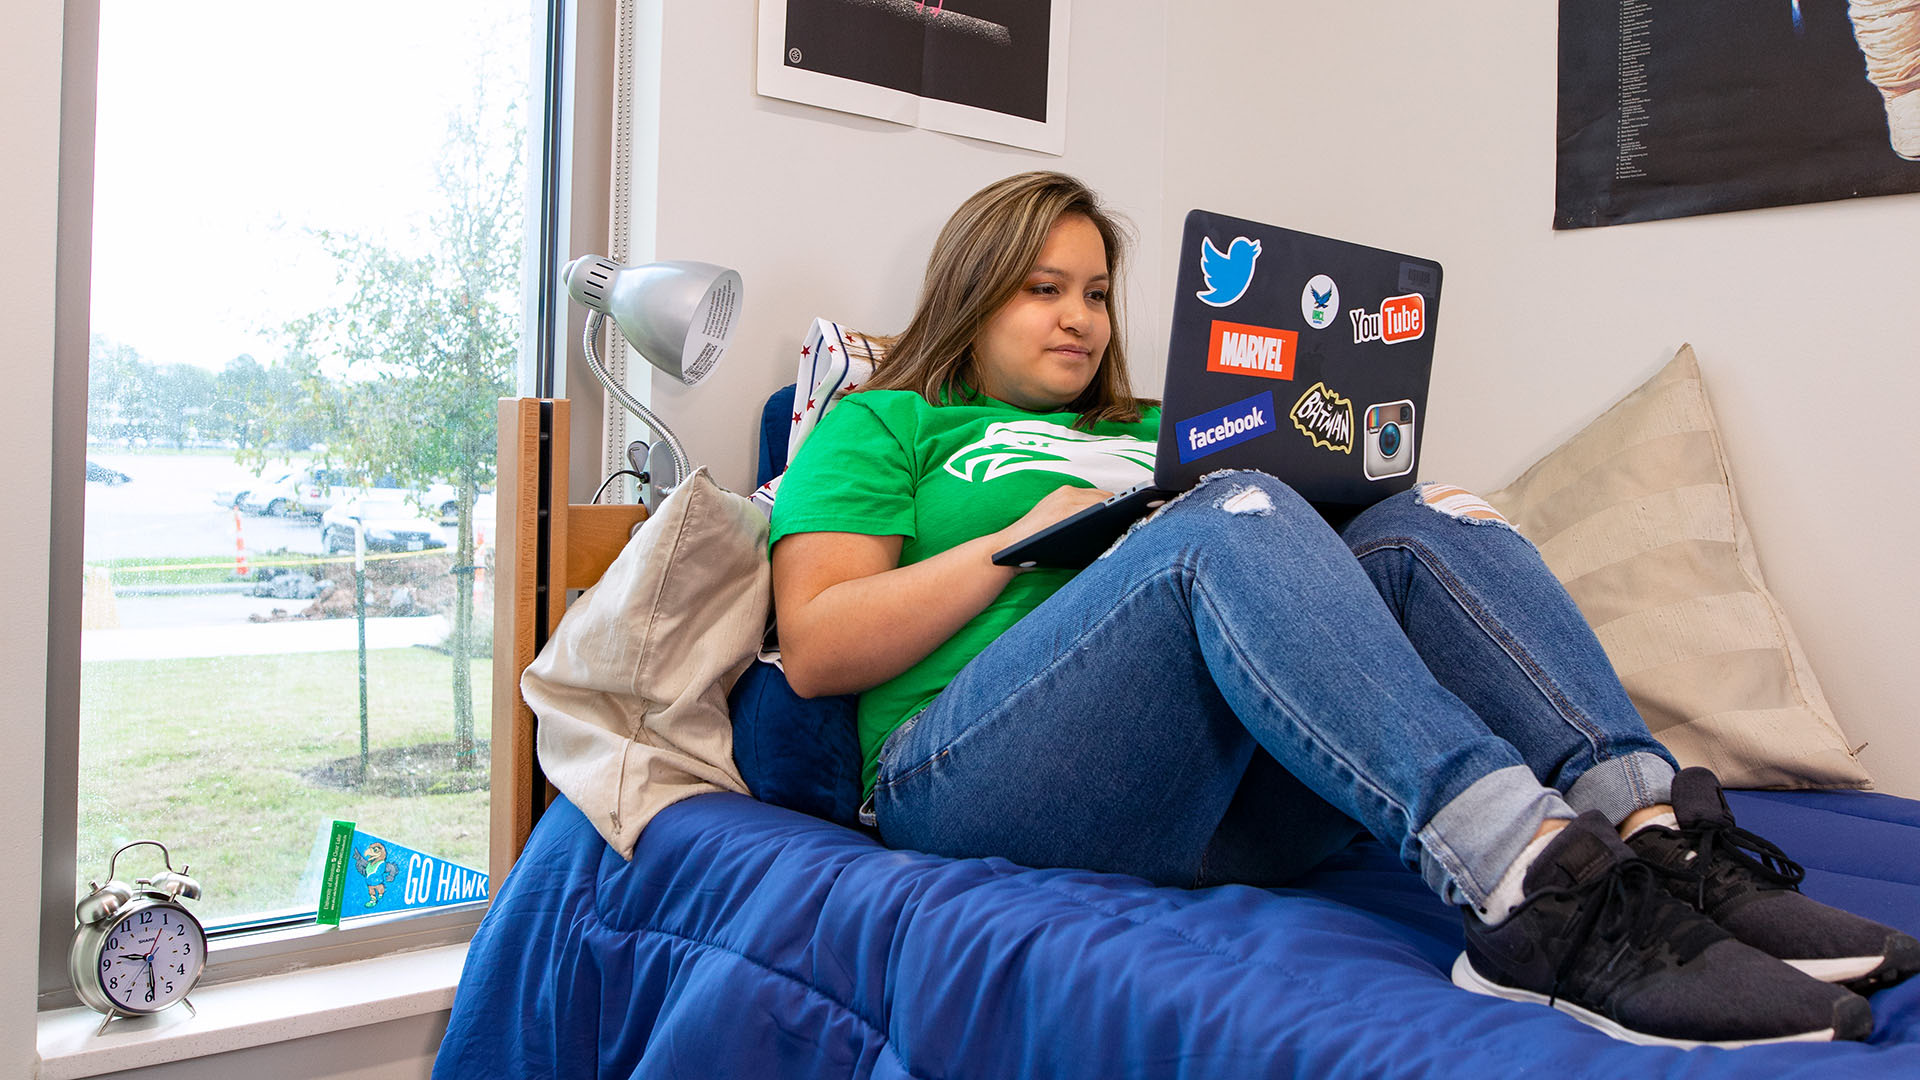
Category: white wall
<point>1430,129</point>
<point>29,180</point>
<point>827,214</point>
<point>396,1050</point>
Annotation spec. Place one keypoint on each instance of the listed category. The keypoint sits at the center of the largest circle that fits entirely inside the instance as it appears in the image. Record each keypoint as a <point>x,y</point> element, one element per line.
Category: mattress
<point>745,940</point>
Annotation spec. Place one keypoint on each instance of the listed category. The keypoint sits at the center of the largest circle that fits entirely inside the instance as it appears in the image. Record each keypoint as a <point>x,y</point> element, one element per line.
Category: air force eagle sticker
<point>1108,462</point>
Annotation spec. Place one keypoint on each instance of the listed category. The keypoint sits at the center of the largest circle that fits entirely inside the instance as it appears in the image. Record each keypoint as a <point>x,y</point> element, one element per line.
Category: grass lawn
<point>216,569</point>
<point>207,757</point>
<point>159,570</point>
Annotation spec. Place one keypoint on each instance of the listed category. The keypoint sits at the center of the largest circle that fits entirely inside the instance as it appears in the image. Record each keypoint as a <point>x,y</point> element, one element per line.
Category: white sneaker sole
<point>1840,969</point>
<point>1466,978</point>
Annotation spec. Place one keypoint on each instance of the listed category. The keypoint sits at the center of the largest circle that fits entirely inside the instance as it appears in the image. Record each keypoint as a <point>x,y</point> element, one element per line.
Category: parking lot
<point>167,509</point>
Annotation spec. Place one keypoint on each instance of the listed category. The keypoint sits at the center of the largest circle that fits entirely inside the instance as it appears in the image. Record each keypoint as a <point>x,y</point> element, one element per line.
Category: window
<point>323,244</point>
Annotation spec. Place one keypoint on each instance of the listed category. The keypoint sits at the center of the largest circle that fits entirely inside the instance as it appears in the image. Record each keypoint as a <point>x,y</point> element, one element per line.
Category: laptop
<point>1294,354</point>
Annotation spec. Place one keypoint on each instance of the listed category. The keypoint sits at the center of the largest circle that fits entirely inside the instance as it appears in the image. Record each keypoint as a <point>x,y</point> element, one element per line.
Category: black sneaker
<point>1598,938</point>
<point>1752,890</point>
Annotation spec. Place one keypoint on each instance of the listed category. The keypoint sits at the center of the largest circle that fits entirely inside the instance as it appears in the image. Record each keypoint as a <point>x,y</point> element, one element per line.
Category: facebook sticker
<point>1212,432</point>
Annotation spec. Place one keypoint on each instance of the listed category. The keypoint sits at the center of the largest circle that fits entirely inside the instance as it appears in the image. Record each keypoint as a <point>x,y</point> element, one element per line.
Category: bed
<point>749,939</point>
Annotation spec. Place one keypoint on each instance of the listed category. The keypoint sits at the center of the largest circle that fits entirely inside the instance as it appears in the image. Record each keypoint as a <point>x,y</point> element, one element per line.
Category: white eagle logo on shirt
<point>1108,462</point>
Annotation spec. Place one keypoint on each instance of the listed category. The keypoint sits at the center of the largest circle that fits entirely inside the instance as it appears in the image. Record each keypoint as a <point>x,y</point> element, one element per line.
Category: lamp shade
<point>680,315</point>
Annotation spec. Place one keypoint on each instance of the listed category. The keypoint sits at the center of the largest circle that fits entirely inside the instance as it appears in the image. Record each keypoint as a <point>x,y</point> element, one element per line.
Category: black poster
<point>990,54</point>
<point>1680,108</point>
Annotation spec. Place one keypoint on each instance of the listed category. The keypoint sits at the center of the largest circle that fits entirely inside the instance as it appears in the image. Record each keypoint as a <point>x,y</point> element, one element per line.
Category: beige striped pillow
<point>1636,516</point>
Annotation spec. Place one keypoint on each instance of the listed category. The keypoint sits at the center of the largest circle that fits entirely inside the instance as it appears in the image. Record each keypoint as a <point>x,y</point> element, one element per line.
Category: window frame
<point>567,202</point>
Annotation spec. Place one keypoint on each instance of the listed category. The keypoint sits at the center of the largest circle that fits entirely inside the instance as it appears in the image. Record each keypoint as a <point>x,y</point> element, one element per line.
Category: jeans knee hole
<point>1246,500</point>
<point>1459,504</point>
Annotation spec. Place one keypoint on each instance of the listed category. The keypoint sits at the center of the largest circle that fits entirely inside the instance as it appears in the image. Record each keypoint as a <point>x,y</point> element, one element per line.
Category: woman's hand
<point>1059,504</point>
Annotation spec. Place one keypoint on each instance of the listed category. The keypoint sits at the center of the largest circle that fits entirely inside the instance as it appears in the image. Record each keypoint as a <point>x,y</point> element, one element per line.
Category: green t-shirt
<point>887,463</point>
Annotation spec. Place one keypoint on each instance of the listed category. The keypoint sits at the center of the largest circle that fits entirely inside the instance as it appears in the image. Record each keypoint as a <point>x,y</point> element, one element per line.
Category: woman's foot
<point>1599,938</point>
<point>1752,890</point>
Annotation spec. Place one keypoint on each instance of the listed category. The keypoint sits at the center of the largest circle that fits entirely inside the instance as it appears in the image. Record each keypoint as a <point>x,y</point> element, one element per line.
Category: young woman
<point>1236,689</point>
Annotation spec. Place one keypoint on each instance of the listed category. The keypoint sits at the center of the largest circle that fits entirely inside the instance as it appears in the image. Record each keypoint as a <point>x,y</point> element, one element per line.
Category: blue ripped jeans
<point>1224,695</point>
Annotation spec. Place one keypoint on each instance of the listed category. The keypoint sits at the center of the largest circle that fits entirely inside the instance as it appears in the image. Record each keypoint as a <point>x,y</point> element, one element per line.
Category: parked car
<point>391,520</point>
<point>443,501</point>
<point>100,474</point>
<point>301,490</point>
<point>242,498</point>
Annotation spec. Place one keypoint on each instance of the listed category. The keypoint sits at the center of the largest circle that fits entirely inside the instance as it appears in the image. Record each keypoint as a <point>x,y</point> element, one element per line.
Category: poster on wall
<point>989,69</point>
<point>1669,110</point>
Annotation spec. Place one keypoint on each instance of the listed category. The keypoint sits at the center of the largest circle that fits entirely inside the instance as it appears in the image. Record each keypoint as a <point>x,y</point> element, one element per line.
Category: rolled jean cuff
<point>1618,786</point>
<point>1474,838</point>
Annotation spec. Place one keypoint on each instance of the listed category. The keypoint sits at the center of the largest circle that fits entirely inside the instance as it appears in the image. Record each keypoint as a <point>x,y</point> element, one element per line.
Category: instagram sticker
<point>1388,434</point>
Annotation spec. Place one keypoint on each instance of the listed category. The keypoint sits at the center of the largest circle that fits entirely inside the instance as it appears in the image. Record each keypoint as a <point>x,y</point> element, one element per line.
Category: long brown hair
<point>982,257</point>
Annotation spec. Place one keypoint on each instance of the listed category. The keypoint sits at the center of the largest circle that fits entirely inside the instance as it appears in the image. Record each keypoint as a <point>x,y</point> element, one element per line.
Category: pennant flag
<point>368,875</point>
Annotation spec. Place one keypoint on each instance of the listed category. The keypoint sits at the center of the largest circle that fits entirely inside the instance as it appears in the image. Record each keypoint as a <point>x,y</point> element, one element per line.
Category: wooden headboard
<point>543,547</point>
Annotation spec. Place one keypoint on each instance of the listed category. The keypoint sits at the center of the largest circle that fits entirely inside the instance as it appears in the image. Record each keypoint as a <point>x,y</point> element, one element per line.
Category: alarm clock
<point>136,950</point>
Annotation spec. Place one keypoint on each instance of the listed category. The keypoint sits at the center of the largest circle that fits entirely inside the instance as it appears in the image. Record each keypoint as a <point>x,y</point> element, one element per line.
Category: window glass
<point>307,277</point>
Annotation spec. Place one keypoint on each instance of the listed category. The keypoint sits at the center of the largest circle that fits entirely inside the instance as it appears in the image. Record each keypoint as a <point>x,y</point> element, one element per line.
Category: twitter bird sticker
<point>1227,274</point>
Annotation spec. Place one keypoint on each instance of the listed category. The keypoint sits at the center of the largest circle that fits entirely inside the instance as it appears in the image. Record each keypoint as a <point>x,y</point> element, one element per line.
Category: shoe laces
<point>1742,853</point>
<point>1625,907</point>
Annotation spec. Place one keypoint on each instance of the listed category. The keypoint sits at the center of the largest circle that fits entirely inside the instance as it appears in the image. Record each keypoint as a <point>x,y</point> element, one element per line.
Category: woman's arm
<point>851,617</point>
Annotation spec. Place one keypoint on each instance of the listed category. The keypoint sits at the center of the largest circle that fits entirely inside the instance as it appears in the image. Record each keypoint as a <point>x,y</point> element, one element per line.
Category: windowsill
<point>253,1012</point>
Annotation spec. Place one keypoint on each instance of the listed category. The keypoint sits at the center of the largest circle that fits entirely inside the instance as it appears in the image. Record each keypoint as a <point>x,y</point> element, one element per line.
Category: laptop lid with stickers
<point>1299,355</point>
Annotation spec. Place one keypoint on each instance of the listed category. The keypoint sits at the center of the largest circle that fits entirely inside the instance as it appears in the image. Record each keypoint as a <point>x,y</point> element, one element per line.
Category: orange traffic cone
<point>239,547</point>
<point>479,563</point>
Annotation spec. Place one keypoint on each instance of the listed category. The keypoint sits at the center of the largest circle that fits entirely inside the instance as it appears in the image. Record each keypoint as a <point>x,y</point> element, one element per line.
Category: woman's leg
<point>1244,849</point>
<point>1498,630</point>
<point>1112,727</point>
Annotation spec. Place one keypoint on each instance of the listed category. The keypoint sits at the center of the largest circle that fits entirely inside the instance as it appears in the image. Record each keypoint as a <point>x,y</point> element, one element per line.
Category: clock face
<point>151,957</point>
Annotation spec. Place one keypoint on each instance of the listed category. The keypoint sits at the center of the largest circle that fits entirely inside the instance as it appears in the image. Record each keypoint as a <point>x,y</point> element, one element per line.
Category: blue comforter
<point>745,940</point>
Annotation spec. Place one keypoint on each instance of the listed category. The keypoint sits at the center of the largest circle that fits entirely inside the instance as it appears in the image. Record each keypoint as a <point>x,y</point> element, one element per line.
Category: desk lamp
<point>678,314</point>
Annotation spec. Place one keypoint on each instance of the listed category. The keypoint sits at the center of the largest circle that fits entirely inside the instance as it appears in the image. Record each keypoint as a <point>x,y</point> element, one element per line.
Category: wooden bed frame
<point>544,547</point>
